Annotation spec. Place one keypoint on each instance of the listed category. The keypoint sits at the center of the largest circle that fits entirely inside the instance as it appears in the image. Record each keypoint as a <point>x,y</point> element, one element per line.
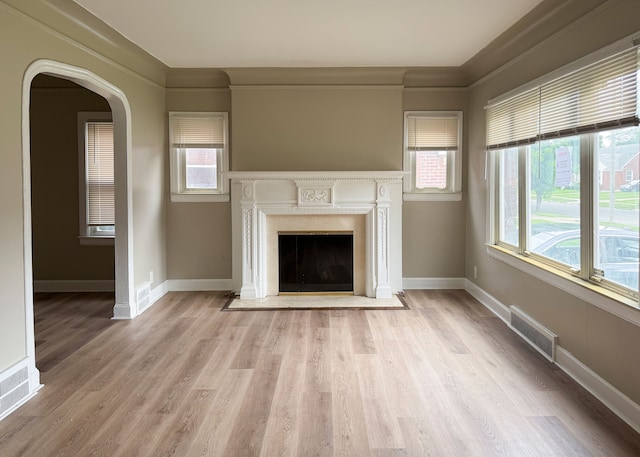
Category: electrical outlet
<point>151,276</point>
<point>475,272</point>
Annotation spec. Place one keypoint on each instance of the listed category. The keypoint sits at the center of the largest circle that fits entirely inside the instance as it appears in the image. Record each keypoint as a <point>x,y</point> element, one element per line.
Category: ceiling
<point>310,33</point>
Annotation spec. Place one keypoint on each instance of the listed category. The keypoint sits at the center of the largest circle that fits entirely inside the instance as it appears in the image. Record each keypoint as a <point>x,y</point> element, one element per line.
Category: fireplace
<point>315,262</point>
<point>367,204</point>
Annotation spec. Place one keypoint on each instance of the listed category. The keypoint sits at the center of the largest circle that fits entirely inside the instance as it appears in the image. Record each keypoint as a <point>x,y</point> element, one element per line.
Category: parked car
<point>618,252</point>
<point>631,186</point>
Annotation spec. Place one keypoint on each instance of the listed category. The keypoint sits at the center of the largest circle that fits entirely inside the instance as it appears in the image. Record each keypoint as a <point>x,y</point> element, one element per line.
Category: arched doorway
<point>124,294</point>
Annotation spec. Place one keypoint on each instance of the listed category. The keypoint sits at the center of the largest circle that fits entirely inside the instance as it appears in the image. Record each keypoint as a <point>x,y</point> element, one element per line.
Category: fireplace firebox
<point>315,262</point>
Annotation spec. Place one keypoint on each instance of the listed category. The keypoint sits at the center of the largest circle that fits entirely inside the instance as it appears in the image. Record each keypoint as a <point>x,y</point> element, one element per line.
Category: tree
<point>542,165</point>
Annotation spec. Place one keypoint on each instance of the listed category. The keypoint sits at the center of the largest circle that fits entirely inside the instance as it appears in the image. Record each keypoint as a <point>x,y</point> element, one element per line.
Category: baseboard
<point>433,283</point>
<point>195,285</point>
<point>488,300</point>
<point>16,388</point>
<point>97,285</point>
<point>625,408</point>
<point>621,405</point>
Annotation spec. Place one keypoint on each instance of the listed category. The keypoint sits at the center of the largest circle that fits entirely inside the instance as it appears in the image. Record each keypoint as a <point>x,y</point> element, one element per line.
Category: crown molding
<point>546,19</point>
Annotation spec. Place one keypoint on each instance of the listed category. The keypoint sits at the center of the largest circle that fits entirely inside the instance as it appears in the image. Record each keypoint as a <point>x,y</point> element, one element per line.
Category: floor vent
<point>142,296</point>
<point>535,334</point>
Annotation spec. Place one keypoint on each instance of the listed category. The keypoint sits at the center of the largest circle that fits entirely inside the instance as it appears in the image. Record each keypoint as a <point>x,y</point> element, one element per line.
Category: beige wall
<point>433,233</point>
<point>57,253</point>
<point>316,128</point>
<point>606,344</point>
<point>23,40</point>
<point>198,234</point>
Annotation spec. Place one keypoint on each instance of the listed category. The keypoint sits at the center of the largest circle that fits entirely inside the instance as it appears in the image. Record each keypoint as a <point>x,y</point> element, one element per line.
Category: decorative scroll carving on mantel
<point>314,196</point>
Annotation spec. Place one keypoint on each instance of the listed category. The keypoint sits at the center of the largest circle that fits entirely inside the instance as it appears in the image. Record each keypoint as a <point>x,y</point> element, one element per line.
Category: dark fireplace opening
<point>315,262</point>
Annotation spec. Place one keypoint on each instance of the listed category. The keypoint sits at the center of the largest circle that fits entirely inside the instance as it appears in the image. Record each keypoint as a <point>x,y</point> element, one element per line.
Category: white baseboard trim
<point>489,301</point>
<point>196,285</point>
<point>123,311</point>
<point>17,387</point>
<point>621,405</point>
<point>98,285</point>
<point>625,408</point>
<point>433,283</point>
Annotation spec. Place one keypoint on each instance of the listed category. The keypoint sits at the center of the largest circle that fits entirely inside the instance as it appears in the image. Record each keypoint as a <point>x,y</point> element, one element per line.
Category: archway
<point>124,307</point>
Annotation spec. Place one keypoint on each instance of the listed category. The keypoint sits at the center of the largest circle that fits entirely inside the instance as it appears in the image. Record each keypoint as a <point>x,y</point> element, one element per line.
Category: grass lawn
<point>622,200</point>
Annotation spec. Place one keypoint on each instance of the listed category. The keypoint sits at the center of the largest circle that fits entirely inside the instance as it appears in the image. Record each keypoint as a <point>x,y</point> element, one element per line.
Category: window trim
<point>86,237</point>
<point>453,192</point>
<point>177,169</point>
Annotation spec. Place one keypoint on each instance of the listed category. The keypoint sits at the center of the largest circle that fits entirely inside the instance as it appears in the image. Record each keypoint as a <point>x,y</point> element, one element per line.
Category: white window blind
<point>514,121</point>
<point>431,133</point>
<point>600,96</point>
<point>100,178</point>
<point>191,131</point>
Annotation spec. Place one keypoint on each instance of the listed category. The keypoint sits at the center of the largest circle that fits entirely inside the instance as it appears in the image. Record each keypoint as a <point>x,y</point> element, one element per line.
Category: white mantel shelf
<point>258,196</point>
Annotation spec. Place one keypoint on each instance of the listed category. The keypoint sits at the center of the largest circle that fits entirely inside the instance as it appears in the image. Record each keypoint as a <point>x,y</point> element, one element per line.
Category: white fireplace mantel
<point>258,196</point>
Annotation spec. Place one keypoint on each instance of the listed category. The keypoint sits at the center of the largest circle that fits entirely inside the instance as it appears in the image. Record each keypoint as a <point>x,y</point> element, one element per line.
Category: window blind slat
<point>197,132</point>
<point>515,121</point>
<point>100,175</point>
<point>432,133</point>
<point>600,96</point>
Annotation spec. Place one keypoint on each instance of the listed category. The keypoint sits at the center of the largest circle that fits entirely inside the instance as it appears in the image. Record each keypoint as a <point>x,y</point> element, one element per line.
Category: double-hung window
<point>96,178</point>
<point>561,154</point>
<point>199,156</point>
<point>432,155</point>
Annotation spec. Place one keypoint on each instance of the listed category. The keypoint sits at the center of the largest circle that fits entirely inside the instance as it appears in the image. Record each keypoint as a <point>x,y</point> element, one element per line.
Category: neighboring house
<point>623,162</point>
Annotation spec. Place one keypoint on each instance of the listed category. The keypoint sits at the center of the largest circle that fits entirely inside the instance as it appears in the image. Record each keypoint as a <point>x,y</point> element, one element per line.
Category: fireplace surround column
<point>383,205</point>
<point>249,253</point>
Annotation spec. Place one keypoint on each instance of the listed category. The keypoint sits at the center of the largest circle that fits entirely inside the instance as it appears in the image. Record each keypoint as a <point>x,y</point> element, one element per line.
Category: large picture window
<point>560,176</point>
<point>199,156</point>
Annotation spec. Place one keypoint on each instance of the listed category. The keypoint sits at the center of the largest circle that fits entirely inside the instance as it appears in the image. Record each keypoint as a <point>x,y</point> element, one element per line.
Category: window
<point>199,156</point>
<point>559,153</point>
<point>432,155</point>
<point>96,183</point>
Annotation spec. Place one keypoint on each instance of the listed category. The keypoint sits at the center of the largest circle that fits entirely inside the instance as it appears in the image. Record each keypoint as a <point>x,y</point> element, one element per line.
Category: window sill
<point>616,304</point>
<point>96,240</point>
<point>432,197</point>
<point>200,198</point>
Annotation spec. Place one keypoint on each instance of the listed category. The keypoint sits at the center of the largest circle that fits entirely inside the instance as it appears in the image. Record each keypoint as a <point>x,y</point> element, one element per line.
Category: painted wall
<point>433,233</point>
<point>35,30</point>
<point>316,128</point>
<point>57,253</point>
<point>606,344</point>
<point>198,234</point>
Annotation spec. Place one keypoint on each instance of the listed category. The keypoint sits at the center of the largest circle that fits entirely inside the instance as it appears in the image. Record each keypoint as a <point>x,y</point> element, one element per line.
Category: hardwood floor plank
<point>361,337</point>
<point>349,432</point>
<point>251,346</point>
<point>382,426</point>
<point>284,423</point>
<point>249,428</point>
<point>316,434</point>
<point>217,425</point>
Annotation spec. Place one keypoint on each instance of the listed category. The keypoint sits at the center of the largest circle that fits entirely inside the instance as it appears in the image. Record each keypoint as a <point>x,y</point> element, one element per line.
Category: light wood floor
<point>445,378</point>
